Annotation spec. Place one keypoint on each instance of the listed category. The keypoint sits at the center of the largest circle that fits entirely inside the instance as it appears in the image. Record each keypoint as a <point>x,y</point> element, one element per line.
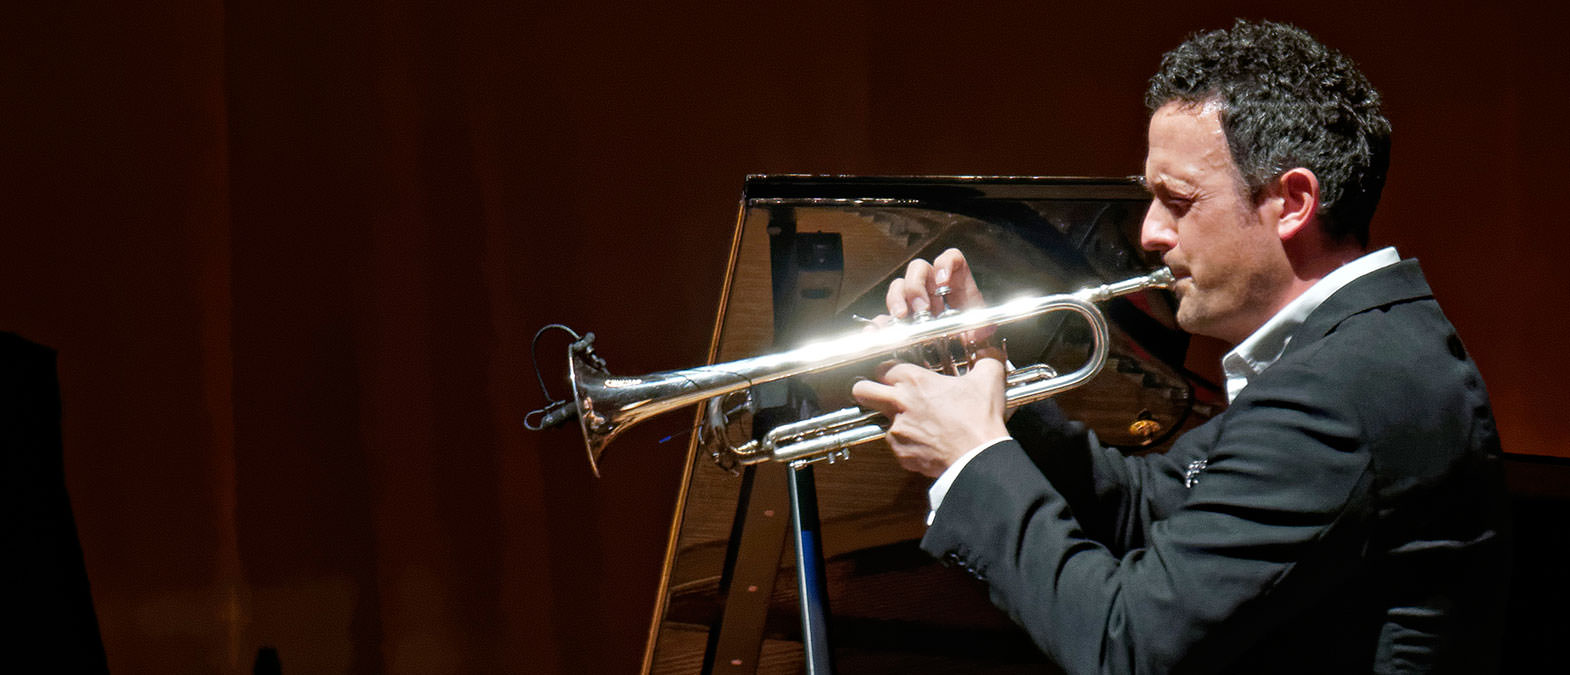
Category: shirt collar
<point>1265,346</point>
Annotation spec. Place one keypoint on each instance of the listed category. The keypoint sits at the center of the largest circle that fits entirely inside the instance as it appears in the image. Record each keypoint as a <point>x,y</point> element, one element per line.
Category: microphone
<point>558,413</point>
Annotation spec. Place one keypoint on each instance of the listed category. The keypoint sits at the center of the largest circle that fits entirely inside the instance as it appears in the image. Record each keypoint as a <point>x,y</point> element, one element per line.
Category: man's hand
<point>937,418</point>
<point>917,291</point>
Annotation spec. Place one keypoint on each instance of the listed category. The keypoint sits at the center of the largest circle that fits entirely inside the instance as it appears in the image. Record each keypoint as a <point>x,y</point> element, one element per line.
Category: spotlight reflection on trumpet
<point>606,405</point>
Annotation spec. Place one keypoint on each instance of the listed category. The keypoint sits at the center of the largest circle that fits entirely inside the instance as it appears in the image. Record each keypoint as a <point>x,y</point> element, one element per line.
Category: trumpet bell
<point>584,377</point>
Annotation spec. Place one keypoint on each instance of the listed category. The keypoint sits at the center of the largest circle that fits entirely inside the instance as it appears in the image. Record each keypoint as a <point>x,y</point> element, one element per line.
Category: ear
<point>1298,190</point>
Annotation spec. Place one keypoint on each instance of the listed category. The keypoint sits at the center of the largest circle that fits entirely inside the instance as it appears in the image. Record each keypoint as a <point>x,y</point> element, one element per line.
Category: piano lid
<point>809,254</point>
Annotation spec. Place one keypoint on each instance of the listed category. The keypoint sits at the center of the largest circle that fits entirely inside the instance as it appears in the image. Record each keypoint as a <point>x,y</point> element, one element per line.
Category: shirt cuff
<point>940,487</point>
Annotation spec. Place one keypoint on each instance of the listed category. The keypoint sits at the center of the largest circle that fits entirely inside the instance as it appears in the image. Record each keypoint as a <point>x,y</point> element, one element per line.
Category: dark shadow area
<point>47,601</point>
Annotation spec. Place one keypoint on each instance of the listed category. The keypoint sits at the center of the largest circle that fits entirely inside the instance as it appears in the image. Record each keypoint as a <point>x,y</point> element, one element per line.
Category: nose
<point>1158,232</point>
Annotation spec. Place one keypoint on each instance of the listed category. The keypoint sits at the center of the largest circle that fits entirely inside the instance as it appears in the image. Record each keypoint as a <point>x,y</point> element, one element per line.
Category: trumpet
<point>606,405</point>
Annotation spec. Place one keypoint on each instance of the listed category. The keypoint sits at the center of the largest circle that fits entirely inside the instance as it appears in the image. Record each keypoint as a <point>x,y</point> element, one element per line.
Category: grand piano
<point>810,254</point>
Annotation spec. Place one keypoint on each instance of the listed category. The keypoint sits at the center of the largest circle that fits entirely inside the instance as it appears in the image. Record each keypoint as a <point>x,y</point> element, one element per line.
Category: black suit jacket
<point>1346,514</point>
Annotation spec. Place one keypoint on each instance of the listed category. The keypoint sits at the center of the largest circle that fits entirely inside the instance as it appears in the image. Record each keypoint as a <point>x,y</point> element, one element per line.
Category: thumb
<point>988,367</point>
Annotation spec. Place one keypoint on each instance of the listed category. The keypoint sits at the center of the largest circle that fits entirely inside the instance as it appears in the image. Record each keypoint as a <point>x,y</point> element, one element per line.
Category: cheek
<point>1220,247</point>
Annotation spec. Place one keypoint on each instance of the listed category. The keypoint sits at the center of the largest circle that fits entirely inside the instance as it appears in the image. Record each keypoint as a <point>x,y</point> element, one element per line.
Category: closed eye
<point>1176,202</point>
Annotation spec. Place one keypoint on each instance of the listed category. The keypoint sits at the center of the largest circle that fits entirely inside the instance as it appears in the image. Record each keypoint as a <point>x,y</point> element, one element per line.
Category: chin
<point>1190,319</point>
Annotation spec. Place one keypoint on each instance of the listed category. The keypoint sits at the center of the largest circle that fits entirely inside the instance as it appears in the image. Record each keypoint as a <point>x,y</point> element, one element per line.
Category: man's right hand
<point>917,291</point>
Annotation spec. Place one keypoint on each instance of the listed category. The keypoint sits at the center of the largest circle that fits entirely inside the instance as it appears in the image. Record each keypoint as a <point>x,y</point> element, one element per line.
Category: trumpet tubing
<point>607,405</point>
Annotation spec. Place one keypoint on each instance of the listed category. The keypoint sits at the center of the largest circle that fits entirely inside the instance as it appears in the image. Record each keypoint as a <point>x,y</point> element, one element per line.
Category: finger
<point>987,367</point>
<point>879,397</point>
<point>882,369</point>
<point>894,299</point>
<point>993,372</point>
<point>996,352</point>
<point>918,288</point>
<point>951,269</point>
<point>905,373</point>
<point>909,451</point>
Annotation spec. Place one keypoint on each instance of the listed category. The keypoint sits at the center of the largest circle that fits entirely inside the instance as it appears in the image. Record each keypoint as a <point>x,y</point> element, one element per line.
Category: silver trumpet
<point>606,405</point>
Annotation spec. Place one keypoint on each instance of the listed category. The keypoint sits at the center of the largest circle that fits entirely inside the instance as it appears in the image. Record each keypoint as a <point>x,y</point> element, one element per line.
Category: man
<point>1344,514</point>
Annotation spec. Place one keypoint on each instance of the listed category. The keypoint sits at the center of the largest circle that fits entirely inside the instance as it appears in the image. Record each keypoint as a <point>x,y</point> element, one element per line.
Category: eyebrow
<point>1169,185</point>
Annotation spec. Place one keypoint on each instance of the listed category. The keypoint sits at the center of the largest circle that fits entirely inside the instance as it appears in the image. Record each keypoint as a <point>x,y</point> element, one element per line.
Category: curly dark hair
<point>1287,102</point>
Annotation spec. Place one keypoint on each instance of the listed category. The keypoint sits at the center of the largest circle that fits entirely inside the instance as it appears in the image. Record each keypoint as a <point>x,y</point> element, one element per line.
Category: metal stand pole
<point>811,581</point>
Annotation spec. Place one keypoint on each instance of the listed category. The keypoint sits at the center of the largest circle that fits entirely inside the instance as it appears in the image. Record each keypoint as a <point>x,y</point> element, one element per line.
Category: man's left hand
<point>936,418</point>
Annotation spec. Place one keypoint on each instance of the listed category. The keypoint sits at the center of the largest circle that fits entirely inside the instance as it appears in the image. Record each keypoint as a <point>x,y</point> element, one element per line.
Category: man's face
<point>1230,264</point>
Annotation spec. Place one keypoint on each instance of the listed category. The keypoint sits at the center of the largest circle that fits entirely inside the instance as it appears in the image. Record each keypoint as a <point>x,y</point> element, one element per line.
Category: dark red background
<point>292,253</point>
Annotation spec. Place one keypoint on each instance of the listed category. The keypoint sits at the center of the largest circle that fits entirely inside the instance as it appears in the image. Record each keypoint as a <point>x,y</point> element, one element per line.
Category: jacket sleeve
<point>1267,525</point>
<point>1102,487</point>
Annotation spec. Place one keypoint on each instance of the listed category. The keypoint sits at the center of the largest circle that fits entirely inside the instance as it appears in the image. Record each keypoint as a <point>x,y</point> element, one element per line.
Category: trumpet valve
<point>943,297</point>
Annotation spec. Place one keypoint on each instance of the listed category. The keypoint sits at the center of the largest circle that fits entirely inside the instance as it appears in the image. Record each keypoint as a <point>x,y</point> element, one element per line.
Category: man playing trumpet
<point>1344,514</point>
